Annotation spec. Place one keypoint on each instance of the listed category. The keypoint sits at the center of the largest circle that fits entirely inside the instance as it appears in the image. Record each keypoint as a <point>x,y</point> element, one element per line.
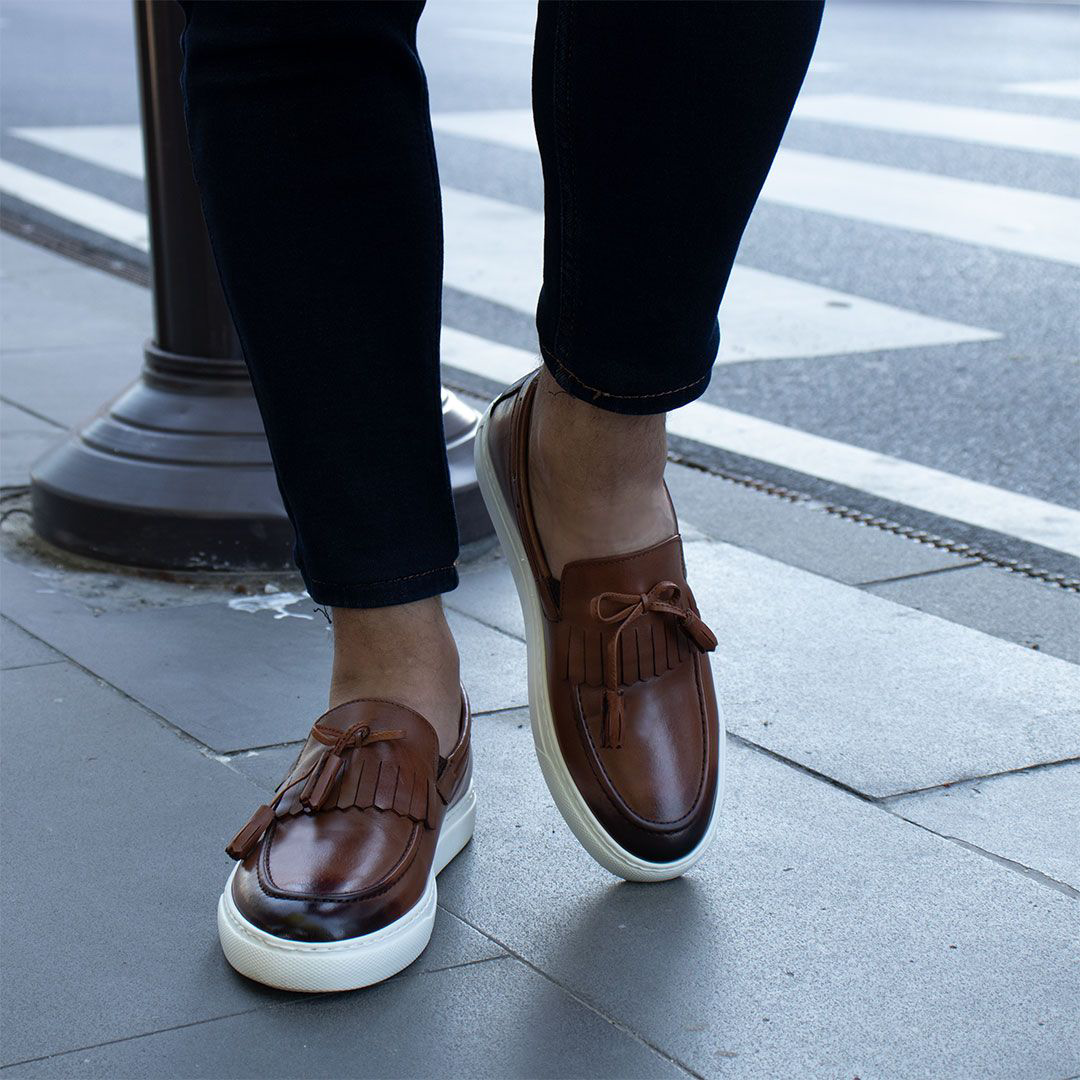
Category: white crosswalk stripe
<point>111,146</point>
<point>494,251</point>
<point>888,477</point>
<point>491,34</point>
<point>988,215</point>
<point>1009,219</point>
<point>73,204</point>
<point>1062,88</point>
<point>1013,131</point>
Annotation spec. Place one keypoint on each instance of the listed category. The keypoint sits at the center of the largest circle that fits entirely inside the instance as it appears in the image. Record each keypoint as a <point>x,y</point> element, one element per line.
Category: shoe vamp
<point>658,773</point>
<point>340,852</point>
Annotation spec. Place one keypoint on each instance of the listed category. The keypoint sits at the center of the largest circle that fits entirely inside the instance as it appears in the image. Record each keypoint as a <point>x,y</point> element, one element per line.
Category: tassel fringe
<point>342,777</point>
<point>384,785</point>
<point>612,720</point>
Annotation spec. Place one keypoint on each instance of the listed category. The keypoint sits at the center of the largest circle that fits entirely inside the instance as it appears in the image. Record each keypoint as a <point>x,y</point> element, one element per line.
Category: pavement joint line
<point>225,758</point>
<point>921,574</point>
<point>32,412</point>
<point>504,709</point>
<point>581,1000</point>
<point>882,800</point>
<point>749,744</point>
<point>299,998</point>
<point>1011,864</point>
<point>230,756</point>
<point>159,1031</point>
<point>247,751</point>
<point>406,973</point>
<point>1039,766</point>
<point>882,804</point>
<point>35,350</point>
<point>163,721</point>
<point>475,618</point>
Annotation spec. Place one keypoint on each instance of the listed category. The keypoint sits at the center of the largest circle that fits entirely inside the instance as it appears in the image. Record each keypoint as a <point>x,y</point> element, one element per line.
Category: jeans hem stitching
<point>382,581</point>
<point>552,358</point>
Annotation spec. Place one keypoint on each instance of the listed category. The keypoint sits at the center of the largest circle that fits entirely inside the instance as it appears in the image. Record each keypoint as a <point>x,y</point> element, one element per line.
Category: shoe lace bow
<point>665,598</point>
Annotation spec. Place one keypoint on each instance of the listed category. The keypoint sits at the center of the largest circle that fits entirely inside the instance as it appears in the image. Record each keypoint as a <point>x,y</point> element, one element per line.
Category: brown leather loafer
<point>335,887</point>
<point>624,712</point>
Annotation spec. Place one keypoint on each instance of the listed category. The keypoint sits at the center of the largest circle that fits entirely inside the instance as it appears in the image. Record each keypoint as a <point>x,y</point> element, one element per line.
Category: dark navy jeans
<point>311,140</point>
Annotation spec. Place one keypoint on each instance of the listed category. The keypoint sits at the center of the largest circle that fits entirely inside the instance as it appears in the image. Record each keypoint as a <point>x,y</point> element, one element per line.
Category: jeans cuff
<point>628,404</point>
<point>403,590</point>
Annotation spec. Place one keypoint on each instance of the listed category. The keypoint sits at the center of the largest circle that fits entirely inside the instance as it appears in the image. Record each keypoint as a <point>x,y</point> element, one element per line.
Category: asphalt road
<point>929,184</point>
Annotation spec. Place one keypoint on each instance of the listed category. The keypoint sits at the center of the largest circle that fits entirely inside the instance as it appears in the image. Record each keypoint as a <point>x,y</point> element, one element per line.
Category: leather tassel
<point>698,632</point>
<point>320,782</point>
<point>245,840</point>
<point>611,728</point>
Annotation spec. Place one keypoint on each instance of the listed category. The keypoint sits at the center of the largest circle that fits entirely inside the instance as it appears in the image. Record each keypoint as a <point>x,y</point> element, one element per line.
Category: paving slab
<point>18,649</point>
<point>233,678</point>
<point>486,592</point>
<point>97,308</point>
<point>999,602</point>
<point>798,534</point>
<point>69,385</point>
<point>112,835</point>
<point>23,439</point>
<point>878,696</point>
<point>874,694</point>
<point>19,258</point>
<point>822,936</point>
<point>1031,818</point>
<point>495,1020</point>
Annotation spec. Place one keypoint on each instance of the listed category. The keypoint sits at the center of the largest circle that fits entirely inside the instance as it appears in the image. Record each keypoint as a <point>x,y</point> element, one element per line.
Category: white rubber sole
<point>343,965</point>
<point>584,824</point>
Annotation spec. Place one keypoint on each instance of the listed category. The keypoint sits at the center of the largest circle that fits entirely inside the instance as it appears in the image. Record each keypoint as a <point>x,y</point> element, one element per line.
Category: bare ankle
<point>404,653</point>
<point>596,478</point>
<point>599,453</point>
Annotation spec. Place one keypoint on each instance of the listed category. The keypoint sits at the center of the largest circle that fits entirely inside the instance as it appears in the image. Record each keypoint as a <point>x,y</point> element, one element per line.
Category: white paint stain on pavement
<point>277,602</point>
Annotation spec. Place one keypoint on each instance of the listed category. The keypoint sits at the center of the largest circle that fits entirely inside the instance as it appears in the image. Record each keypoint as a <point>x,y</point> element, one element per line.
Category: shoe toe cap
<point>321,878</point>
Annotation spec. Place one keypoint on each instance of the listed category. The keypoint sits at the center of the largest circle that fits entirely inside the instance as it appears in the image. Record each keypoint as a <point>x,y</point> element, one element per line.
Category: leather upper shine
<point>348,848</point>
<point>628,676</point>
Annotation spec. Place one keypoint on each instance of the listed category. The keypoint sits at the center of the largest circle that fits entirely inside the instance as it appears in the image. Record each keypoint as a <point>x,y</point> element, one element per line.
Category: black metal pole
<point>176,472</point>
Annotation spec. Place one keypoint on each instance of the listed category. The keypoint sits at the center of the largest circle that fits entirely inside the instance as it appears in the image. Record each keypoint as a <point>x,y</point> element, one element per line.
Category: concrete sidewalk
<point>894,891</point>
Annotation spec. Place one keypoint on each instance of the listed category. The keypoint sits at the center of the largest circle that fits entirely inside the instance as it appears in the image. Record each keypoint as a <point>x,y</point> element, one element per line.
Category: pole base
<point>176,475</point>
